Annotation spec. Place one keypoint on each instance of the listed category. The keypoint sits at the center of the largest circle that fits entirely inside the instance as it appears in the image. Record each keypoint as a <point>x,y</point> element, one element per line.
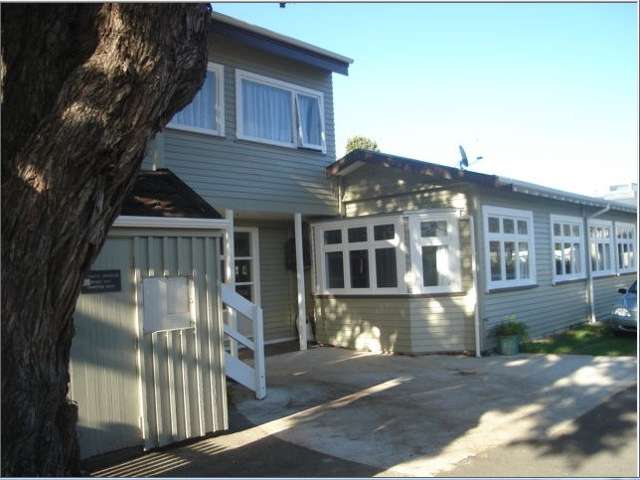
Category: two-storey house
<point>254,143</point>
<point>218,215</point>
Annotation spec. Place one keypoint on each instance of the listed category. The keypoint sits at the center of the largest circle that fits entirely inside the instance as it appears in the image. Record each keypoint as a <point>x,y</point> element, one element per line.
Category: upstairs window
<point>509,251</point>
<point>626,247</point>
<point>205,113</point>
<point>567,243</point>
<point>278,113</point>
<point>601,247</point>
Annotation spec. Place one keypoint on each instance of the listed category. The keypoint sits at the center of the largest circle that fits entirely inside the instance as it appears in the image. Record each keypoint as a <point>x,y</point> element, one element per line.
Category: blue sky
<point>546,93</point>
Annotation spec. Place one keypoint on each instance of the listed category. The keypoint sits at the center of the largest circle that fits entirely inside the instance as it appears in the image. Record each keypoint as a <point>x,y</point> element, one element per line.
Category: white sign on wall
<point>168,303</point>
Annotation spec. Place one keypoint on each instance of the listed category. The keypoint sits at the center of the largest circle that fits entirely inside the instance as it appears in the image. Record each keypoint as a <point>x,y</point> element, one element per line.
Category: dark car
<point>624,316</point>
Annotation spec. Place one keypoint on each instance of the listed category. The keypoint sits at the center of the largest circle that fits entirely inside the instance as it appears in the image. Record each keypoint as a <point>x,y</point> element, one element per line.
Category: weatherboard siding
<point>605,292</point>
<point>375,190</point>
<point>278,285</point>
<point>364,323</point>
<point>251,176</point>
<point>546,308</point>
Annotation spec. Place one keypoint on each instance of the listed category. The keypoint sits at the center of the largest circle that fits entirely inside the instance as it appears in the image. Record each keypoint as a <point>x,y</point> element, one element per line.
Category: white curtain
<point>201,112</point>
<point>309,120</point>
<point>266,112</point>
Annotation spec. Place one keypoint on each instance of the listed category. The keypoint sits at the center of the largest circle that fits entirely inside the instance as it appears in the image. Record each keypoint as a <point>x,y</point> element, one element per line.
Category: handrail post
<point>258,355</point>
<point>229,277</point>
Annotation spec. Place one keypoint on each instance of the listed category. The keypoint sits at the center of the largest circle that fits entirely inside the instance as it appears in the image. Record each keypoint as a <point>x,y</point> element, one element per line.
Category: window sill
<point>572,280</point>
<point>290,146</point>
<point>610,275</point>
<point>202,131</point>
<point>389,295</point>
<point>595,276</point>
<point>633,272</point>
<point>512,289</point>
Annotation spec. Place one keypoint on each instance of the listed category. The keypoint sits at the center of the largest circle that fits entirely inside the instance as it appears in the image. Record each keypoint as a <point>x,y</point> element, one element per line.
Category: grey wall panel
<point>104,379</point>
<point>250,176</point>
<point>183,391</point>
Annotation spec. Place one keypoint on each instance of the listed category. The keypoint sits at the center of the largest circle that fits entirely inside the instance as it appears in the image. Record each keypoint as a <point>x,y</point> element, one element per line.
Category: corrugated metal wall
<point>183,391</point>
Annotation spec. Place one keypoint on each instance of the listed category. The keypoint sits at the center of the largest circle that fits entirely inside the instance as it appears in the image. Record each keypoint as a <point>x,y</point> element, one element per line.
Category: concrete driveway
<point>335,412</point>
<point>422,416</point>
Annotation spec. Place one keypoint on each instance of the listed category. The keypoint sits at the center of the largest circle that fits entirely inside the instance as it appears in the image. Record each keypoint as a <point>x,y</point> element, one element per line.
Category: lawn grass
<point>585,340</point>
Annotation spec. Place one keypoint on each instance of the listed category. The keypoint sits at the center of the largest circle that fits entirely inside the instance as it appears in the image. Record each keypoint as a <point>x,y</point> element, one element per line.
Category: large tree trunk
<point>83,86</point>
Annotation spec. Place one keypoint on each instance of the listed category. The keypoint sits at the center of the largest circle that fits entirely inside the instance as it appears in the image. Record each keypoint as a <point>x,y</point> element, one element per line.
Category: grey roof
<point>358,158</point>
<point>160,193</point>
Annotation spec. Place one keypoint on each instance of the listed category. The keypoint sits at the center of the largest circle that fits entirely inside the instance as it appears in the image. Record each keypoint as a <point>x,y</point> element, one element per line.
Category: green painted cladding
<point>251,176</point>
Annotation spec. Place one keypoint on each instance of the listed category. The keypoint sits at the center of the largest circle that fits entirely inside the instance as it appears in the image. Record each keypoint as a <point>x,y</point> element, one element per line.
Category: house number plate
<point>101,281</point>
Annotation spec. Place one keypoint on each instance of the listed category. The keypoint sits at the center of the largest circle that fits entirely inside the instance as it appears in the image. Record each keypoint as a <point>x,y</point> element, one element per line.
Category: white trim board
<point>134,221</point>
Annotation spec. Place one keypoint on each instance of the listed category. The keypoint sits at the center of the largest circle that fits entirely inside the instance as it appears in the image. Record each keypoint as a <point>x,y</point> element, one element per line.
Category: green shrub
<point>511,327</point>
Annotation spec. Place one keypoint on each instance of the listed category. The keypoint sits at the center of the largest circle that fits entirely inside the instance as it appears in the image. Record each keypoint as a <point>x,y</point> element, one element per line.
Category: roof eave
<point>358,158</point>
<point>278,44</point>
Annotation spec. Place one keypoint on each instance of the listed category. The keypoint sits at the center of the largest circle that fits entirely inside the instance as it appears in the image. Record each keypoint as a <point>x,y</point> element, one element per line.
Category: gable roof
<point>276,43</point>
<point>359,158</point>
<point>160,193</point>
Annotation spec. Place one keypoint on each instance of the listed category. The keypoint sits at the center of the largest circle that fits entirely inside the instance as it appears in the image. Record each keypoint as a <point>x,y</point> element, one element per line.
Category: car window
<point>633,288</point>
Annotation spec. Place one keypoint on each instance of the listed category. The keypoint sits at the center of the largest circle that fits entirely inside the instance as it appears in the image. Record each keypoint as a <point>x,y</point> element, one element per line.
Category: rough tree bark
<point>83,87</point>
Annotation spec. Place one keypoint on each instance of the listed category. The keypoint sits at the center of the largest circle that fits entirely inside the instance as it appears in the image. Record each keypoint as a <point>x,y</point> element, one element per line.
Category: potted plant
<point>510,333</point>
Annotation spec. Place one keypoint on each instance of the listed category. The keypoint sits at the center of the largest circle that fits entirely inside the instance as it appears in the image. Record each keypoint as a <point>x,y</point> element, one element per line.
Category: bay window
<point>567,244</point>
<point>509,247</point>
<point>435,253</point>
<point>205,113</point>
<point>360,256</point>
<point>278,113</point>
<point>626,247</point>
<point>601,247</point>
<point>371,255</point>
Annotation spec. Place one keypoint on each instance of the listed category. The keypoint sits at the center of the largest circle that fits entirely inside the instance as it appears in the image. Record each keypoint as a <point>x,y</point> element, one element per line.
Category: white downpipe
<point>592,306</point>
<point>229,274</point>
<point>302,308</point>
<point>474,274</point>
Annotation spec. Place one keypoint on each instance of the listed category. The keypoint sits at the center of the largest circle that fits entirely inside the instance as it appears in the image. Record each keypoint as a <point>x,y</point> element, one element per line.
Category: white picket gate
<point>251,377</point>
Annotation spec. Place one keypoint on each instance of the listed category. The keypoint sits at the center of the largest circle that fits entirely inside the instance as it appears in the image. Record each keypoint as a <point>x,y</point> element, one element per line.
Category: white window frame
<point>452,240</point>
<point>562,239</point>
<point>219,107</point>
<point>593,242</point>
<point>619,228</point>
<point>370,245</point>
<point>500,212</point>
<point>296,128</point>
